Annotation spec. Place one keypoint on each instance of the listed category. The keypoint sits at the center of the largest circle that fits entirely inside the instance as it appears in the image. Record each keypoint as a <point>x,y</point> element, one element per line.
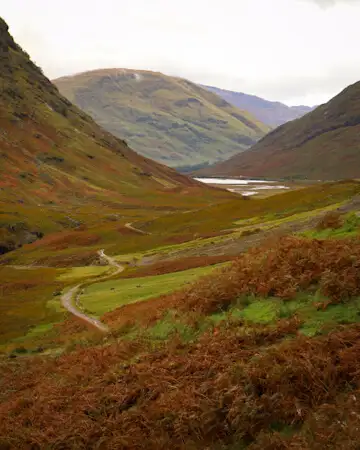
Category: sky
<point>293,51</point>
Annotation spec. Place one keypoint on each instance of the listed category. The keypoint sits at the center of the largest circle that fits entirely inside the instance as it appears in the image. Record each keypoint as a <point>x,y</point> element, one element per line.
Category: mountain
<point>323,145</point>
<point>171,120</point>
<point>59,169</point>
<point>270,113</point>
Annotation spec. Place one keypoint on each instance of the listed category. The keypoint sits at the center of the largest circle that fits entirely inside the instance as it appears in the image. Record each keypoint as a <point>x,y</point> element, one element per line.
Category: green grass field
<point>78,273</point>
<point>103,297</point>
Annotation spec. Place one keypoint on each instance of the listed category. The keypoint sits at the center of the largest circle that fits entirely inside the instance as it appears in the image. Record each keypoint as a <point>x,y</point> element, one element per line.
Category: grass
<point>24,297</point>
<point>166,328</point>
<point>270,311</point>
<point>319,321</point>
<point>225,216</point>
<point>314,319</point>
<point>276,219</point>
<point>261,311</point>
<point>35,332</point>
<point>249,311</point>
<point>349,228</point>
<point>103,297</point>
<point>78,273</point>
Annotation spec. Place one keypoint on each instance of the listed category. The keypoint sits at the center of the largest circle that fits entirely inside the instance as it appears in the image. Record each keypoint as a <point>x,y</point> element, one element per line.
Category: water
<point>252,186</point>
<point>231,181</point>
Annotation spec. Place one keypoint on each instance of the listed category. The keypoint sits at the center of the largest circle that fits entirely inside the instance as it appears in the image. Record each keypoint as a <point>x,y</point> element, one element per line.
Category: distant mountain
<point>270,113</point>
<point>168,119</point>
<point>324,144</point>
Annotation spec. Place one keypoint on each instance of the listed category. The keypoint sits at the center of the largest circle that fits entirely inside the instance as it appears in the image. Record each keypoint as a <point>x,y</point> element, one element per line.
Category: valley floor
<point>245,336</point>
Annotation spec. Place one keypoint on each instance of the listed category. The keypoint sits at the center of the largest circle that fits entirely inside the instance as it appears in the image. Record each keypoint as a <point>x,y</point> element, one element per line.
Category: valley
<point>141,308</point>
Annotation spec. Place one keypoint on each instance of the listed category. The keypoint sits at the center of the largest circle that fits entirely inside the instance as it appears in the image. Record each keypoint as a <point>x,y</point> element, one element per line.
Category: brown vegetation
<point>178,265</point>
<point>279,268</point>
<point>282,269</point>
<point>66,239</point>
<point>221,390</point>
<point>236,386</point>
<point>330,220</point>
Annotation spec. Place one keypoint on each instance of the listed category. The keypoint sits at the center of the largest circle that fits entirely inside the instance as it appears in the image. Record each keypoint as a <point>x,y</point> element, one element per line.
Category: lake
<point>246,187</point>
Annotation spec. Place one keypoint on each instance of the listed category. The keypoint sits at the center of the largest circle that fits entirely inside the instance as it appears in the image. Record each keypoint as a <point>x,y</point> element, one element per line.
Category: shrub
<point>282,269</point>
<point>330,220</point>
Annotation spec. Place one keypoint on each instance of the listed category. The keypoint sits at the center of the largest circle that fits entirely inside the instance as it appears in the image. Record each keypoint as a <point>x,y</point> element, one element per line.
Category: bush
<point>331,220</point>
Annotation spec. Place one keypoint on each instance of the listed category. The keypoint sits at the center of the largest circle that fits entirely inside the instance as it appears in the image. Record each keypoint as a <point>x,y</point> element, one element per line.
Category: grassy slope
<point>168,230</point>
<point>60,170</point>
<point>165,118</point>
<point>262,354</point>
<point>218,217</point>
<point>324,144</point>
<point>271,113</point>
<point>65,178</point>
<point>190,228</point>
<point>104,297</point>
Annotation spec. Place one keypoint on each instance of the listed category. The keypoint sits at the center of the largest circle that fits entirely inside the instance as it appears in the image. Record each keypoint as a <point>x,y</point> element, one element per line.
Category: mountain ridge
<point>169,119</point>
<point>272,113</point>
<point>322,145</point>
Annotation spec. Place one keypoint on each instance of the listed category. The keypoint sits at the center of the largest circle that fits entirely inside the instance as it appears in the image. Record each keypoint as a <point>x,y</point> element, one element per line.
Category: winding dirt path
<point>69,300</point>
<point>129,226</point>
<point>112,262</point>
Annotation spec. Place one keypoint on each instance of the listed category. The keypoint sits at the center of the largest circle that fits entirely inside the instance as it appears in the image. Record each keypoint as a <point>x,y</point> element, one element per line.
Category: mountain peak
<point>169,119</point>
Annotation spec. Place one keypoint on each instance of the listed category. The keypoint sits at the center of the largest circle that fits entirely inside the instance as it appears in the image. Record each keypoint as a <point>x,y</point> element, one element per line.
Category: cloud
<point>297,51</point>
<point>309,89</point>
<point>329,3</point>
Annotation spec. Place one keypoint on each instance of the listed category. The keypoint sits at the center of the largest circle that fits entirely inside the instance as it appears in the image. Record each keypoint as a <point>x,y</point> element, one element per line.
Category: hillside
<point>270,113</point>
<point>59,170</point>
<point>261,353</point>
<point>168,119</point>
<point>323,145</point>
<point>141,310</point>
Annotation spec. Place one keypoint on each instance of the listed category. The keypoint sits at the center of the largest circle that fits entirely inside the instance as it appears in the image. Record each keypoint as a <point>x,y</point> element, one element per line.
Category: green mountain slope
<point>324,144</point>
<point>165,118</point>
<point>271,113</point>
<point>60,170</point>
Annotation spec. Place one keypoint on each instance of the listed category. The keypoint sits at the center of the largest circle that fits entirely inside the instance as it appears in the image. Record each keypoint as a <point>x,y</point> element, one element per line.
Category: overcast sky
<point>294,51</point>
